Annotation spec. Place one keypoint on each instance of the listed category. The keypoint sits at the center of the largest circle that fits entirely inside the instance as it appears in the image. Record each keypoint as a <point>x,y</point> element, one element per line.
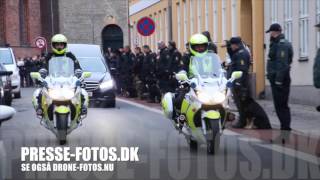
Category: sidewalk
<point>304,119</point>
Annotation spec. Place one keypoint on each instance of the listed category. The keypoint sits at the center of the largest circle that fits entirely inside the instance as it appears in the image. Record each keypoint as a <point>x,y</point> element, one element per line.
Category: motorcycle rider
<point>59,49</point>
<point>198,46</point>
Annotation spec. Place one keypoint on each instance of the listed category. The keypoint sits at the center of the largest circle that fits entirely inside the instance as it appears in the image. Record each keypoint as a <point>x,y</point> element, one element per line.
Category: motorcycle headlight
<point>61,93</point>
<point>214,98</point>
<point>106,84</point>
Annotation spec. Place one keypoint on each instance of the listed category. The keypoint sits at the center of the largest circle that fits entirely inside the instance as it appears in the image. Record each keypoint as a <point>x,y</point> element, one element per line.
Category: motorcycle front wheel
<point>213,143</point>
<point>62,127</point>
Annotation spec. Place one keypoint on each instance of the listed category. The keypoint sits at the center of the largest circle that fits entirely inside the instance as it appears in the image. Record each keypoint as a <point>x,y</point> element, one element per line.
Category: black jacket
<point>240,61</point>
<point>164,62</point>
<point>127,61</point>
<point>279,59</point>
<point>175,58</point>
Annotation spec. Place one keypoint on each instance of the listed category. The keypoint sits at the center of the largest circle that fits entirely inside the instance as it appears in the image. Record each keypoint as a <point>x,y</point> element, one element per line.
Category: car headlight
<point>61,93</point>
<point>106,84</point>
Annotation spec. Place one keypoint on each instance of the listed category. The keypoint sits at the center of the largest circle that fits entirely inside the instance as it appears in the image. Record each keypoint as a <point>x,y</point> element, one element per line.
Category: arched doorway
<point>112,36</point>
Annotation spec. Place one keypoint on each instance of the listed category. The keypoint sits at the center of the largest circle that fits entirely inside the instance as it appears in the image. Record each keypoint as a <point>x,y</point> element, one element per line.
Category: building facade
<point>178,19</point>
<point>103,22</point>
<point>20,24</point>
<point>297,18</point>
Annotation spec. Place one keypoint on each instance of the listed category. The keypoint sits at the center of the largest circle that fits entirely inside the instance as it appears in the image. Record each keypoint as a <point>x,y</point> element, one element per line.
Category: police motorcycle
<point>201,116</point>
<point>61,97</point>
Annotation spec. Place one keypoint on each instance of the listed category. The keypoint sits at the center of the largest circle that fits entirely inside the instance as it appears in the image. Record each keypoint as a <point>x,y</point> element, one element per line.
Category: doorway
<point>112,36</point>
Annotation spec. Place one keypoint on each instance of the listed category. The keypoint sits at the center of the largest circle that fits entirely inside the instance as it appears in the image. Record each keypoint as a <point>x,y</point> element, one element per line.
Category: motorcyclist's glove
<point>78,83</point>
<point>44,84</point>
<point>229,84</point>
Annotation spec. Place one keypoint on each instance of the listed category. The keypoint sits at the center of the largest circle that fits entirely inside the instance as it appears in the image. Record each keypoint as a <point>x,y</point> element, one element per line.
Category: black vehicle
<point>100,86</point>
<point>5,86</point>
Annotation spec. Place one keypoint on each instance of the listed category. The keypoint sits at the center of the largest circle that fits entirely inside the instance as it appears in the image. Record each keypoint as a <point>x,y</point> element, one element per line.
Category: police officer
<point>240,61</point>
<point>139,87</point>
<point>163,68</point>
<point>278,72</point>
<point>211,47</point>
<point>186,58</point>
<point>126,72</point>
<point>176,64</point>
<point>148,74</point>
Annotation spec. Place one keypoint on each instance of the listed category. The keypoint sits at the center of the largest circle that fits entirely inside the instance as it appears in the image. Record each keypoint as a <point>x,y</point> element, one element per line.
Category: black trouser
<point>240,96</point>
<point>280,99</point>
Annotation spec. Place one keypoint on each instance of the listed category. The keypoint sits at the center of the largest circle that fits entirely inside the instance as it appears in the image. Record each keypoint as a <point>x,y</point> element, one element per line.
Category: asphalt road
<point>163,152</point>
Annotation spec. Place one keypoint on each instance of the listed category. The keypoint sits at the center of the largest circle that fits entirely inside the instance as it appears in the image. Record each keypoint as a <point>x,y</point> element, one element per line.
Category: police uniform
<point>176,64</point>
<point>163,70</point>
<point>127,61</point>
<point>240,61</point>
<point>278,72</point>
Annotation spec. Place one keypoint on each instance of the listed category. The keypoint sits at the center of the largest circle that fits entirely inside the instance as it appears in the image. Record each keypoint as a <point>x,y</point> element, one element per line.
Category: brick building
<point>21,21</point>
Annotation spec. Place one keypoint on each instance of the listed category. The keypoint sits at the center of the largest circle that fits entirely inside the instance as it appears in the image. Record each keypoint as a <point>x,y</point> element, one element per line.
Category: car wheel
<point>17,95</point>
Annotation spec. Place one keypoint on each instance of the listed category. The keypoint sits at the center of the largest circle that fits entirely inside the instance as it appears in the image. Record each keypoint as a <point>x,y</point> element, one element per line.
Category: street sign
<point>41,42</point>
<point>146,26</point>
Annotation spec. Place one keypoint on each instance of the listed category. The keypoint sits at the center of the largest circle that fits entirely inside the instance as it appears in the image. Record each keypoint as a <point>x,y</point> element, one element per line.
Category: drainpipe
<point>170,19</point>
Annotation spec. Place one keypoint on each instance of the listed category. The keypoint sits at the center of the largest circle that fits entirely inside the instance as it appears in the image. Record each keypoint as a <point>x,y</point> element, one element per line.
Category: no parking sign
<point>146,26</point>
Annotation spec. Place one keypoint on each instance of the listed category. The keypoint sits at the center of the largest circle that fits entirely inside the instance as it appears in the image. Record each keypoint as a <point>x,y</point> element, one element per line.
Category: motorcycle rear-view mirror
<point>5,73</point>
<point>35,75</point>
<point>181,76</point>
<point>236,75</point>
<point>86,74</point>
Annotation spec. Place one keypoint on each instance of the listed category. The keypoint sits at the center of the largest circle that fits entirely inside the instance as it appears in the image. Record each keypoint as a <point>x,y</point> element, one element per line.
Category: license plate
<point>90,94</point>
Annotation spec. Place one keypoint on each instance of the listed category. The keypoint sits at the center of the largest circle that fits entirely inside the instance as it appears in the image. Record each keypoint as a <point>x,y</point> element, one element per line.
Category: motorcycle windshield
<point>61,67</point>
<point>208,66</point>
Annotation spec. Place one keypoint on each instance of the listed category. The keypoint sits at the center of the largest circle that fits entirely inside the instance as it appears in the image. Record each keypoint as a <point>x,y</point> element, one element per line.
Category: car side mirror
<point>236,75</point>
<point>5,73</point>
<point>181,76</point>
<point>86,74</point>
<point>35,75</point>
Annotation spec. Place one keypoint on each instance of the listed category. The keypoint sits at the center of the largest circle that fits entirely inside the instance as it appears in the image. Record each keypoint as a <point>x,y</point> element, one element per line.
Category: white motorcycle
<point>61,97</point>
<point>202,113</point>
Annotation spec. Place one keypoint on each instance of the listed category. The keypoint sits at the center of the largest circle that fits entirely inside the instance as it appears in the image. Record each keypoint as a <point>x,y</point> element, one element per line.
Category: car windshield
<point>92,64</point>
<point>5,56</point>
<point>61,67</point>
<point>206,66</point>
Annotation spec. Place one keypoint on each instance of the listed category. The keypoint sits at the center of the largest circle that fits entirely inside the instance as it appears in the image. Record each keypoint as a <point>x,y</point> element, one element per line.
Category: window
<point>288,19</point>
<point>24,19</point>
<point>318,21</point>
<point>179,25</point>
<point>191,16</point>
<point>215,20</point>
<point>199,11</point>
<point>224,23</point>
<point>274,11</point>
<point>185,21</point>
<point>166,24</point>
<point>304,28</point>
<point>234,17</point>
<point>160,27</point>
<point>206,6</point>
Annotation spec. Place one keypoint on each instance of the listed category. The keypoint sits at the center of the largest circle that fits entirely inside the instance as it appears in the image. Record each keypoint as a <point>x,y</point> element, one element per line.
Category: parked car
<point>8,60</point>
<point>6,89</point>
<point>6,113</point>
<point>100,86</point>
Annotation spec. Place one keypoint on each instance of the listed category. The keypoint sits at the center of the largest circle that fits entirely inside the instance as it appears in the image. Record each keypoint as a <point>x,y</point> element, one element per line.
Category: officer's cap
<point>235,40</point>
<point>274,27</point>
